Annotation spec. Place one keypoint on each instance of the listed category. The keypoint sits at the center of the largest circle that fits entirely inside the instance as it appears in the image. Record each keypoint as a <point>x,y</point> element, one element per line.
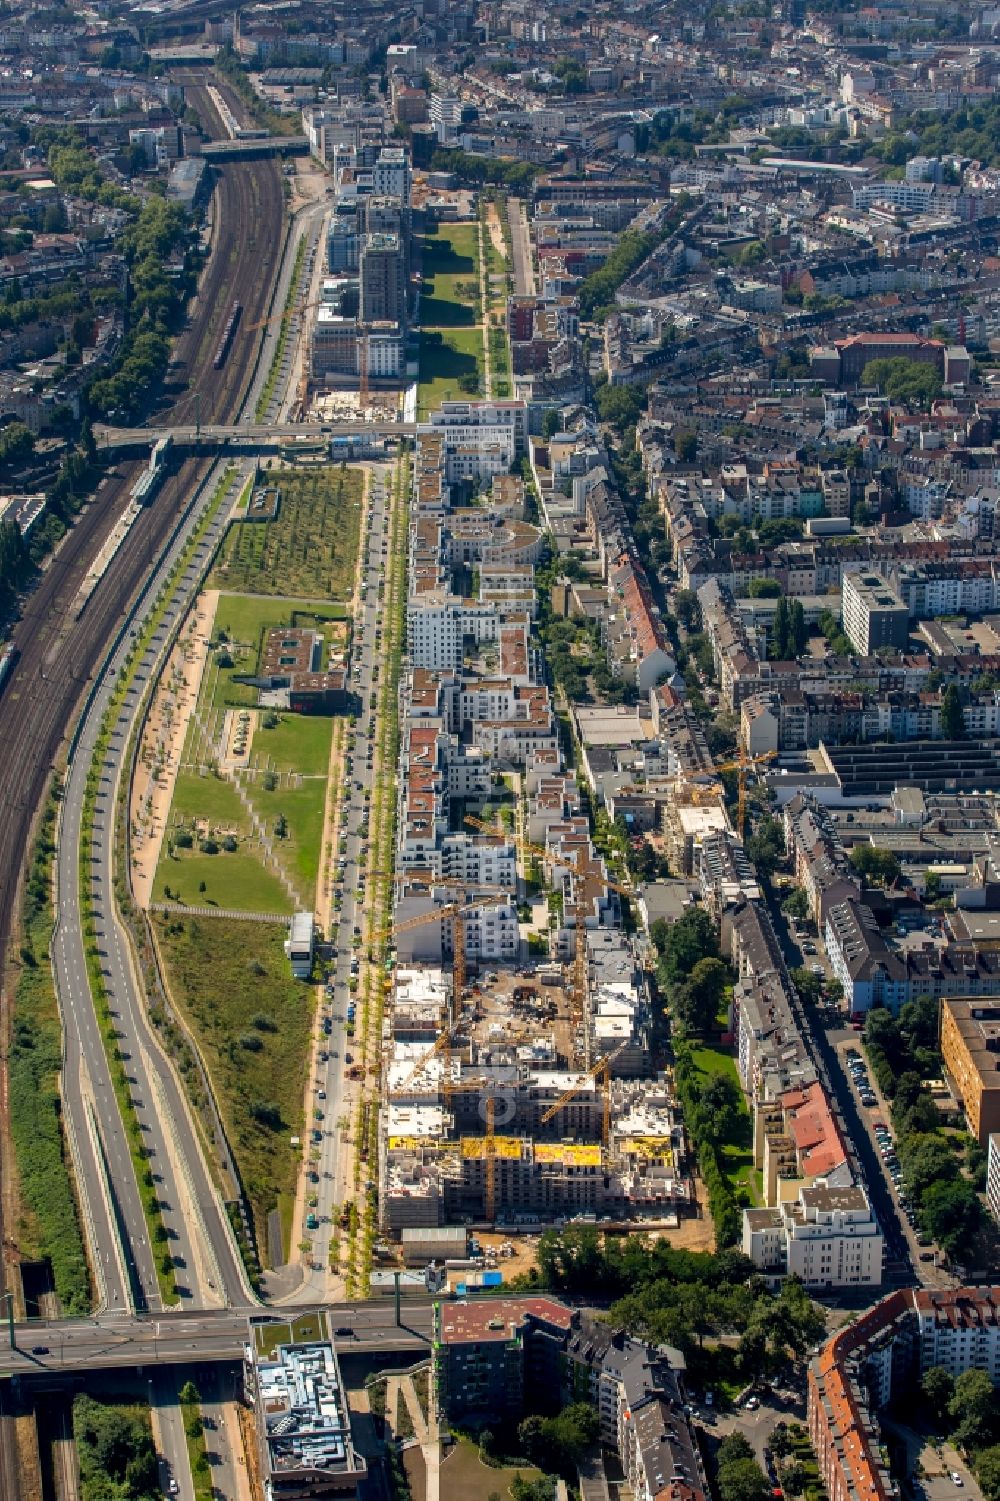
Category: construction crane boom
<point>578,868</point>
<point>441,1043</point>
<point>602,1066</point>
<point>287,312</point>
<point>742,764</point>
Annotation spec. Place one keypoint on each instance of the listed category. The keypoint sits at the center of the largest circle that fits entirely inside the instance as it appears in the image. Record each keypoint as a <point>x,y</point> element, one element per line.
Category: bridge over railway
<point>61,1347</point>
<point>254,146</point>
<point>204,437</point>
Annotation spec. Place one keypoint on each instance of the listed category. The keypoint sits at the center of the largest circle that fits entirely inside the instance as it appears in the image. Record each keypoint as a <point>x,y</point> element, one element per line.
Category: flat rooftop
<point>498,1319</point>
<point>302,1406</point>
<point>289,650</point>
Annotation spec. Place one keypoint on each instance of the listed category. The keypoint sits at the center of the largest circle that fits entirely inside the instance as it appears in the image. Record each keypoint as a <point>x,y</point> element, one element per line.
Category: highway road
<point>201,1243</point>
<point>207,1264</point>
<point>108,1342</point>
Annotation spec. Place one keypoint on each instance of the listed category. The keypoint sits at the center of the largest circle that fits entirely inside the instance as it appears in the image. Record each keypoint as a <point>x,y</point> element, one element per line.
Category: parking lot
<point>757,1422</point>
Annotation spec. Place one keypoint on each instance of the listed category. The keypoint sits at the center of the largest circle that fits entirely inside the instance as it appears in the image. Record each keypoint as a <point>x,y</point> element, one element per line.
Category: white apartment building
<point>993,1177</point>
<point>486,422</point>
<point>434,630</point>
<point>446,116</point>
<point>828,1237</point>
<point>960,1339</point>
<point>490,933</point>
<point>929,592</point>
<point>386,352</point>
<point>391,174</point>
<point>910,197</point>
<point>874,615</point>
<point>437,624</point>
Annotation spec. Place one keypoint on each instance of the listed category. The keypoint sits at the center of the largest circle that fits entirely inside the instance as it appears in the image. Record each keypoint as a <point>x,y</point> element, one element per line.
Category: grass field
<point>737,1157</point>
<point>234,882</point>
<point>297,750</point>
<point>302,807</point>
<point>309,550</point>
<point>463,1473</point>
<point>300,743</point>
<point>253,1024</point>
<point>303,1330</point>
<point>450,262</point>
<point>451,340</point>
<point>208,797</point>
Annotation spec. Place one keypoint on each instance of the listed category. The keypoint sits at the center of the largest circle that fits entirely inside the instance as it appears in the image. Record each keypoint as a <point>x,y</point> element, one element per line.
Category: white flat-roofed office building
<point>486,423</point>
<point>303,1424</point>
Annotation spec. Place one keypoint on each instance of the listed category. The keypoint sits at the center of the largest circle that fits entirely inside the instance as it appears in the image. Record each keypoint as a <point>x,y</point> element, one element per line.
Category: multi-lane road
<point>200,1240</point>
<point>207,1266</point>
<point>200,1244</point>
<point>108,1342</point>
<point>355,808</point>
<point>221,432</point>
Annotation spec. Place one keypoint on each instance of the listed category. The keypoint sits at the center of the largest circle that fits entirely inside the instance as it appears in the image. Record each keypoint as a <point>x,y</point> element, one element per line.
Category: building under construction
<point>492,1116</point>
<point>517,1089</point>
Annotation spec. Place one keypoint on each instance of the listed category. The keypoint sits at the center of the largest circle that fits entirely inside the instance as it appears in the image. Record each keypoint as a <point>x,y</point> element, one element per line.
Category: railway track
<point>57,654</point>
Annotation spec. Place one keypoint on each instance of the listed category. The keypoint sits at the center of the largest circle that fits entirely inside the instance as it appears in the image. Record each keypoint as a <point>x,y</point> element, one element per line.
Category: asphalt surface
<point>331,1078</point>
<point>520,244</point>
<point>853,1118</point>
<point>200,1242</point>
<point>212,1267</point>
<point>208,1268</point>
<point>187,432</point>
<point>45,1348</point>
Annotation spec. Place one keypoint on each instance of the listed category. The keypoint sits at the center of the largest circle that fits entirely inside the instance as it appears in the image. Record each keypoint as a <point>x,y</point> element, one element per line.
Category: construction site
<point>519,1095</point>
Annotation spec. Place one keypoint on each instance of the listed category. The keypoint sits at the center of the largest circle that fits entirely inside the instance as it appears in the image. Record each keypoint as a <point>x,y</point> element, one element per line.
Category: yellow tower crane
<point>287,312</point>
<point>577,866</point>
<point>601,1067</point>
<point>744,763</point>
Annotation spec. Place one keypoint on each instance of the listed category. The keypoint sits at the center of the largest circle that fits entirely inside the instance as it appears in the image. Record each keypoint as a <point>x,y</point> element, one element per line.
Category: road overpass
<point>45,1348</point>
<point>206,436</point>
<point>249,147</point>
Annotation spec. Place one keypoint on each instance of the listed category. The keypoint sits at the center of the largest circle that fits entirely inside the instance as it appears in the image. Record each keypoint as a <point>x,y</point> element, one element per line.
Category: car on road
<point>40,1350</point>
<point>955,1477</point>
<point>344,1331</point>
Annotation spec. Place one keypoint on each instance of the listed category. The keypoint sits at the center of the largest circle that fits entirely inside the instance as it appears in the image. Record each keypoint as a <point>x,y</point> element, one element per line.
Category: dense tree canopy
<point>903,380</point>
